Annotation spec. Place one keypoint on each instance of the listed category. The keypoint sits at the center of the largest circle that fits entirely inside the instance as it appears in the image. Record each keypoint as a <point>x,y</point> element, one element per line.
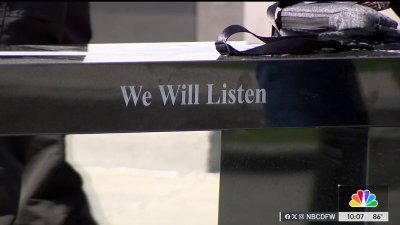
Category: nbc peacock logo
<point>363,199</point>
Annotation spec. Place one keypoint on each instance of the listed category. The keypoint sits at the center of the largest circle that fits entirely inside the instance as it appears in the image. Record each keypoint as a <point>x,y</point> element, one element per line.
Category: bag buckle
<point>359,45</point>
<point>364,46</point>
<point>222,48</point>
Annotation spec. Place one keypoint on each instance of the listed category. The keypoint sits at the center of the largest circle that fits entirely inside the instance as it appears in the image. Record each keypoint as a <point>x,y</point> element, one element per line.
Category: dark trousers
<point>37,185</point>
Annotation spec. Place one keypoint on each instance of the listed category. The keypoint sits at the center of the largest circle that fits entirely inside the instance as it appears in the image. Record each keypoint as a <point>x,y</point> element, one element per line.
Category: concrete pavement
<point>147,179</point>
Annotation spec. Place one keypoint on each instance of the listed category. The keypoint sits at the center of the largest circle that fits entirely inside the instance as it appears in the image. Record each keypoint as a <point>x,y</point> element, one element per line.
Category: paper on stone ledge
<point>138,52</point>
<point>156,52</point>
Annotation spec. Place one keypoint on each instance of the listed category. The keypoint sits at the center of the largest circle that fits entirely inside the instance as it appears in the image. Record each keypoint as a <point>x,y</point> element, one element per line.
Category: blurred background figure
<point>37,185</point>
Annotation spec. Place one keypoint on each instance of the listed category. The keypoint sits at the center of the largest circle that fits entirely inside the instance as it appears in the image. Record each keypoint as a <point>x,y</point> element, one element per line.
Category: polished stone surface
<point>357,89</point>
<point>320,120</point>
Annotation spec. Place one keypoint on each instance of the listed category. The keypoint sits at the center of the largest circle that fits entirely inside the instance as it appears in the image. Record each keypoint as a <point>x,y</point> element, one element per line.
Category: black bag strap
<point>274,45</point>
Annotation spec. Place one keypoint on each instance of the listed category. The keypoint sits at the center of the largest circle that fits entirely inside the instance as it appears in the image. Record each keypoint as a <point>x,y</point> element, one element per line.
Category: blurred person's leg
<point>37,185</point>
<point>11,169</point>
<point>51,190</point>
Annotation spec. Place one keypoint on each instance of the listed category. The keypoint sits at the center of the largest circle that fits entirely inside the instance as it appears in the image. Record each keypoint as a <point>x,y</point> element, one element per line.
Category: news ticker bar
<point>334,216</point>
